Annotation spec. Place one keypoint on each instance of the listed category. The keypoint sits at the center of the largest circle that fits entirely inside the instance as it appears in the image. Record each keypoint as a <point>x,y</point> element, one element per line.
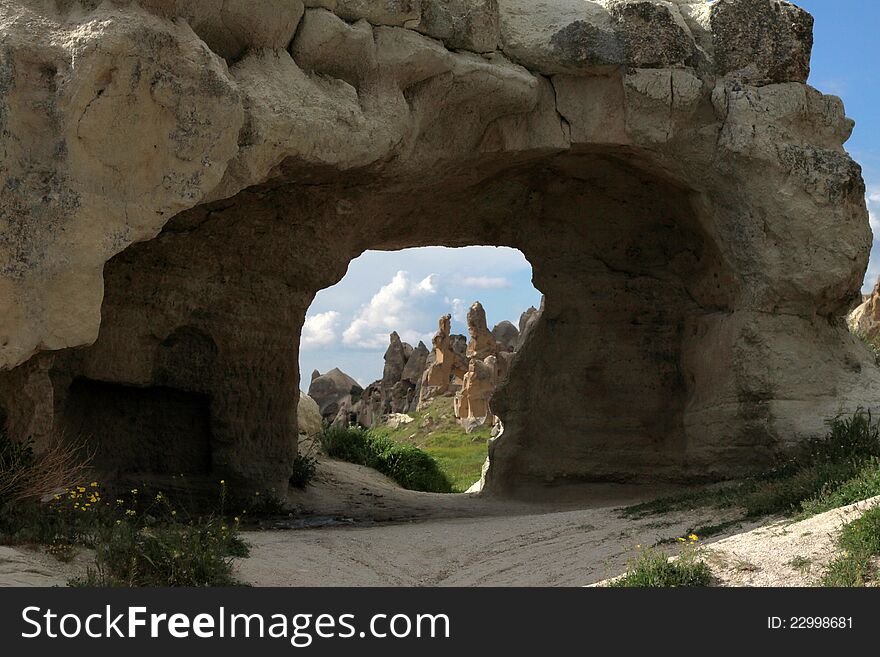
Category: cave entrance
<point>614,383</point>
<point>373,356</point>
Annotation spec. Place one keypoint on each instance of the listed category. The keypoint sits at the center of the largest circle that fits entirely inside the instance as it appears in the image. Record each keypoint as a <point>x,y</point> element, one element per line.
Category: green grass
<point>436,431</point>
<point>139,538</point>
<point>405,463</point>
<point>653,569</point>
<point>837,469</point>
<point>860,541</point>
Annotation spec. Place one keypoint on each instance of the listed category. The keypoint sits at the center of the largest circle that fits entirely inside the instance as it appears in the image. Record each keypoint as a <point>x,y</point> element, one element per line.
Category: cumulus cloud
<point>459,309</point>
<point>319,330</point>
<point>484,282</point>
<point>874,217</point>
<point>397,306</point>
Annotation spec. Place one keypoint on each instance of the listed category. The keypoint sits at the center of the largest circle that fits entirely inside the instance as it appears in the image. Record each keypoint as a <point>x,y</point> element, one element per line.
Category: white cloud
<point>319,330</point>
<point>459,310</point>
<point>397,306</point>
<point>873,198</point>
<point>484,282</point>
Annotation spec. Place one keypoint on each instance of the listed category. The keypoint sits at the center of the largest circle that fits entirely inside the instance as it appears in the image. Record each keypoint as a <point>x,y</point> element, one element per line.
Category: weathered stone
<point>865,319</point>
<point>380,12</point>
<point>415,364</point>
<point>761,41</point>
<point>164,223</point>
<point>527,321</point>
<point>462,24</point>
<point>506,335</point>
<point>448,364</point>
<point>482,344</point>
<point>331,389</point>
<point>572,36</point>
<point>478,385</point>
<point>231,27</point>
<point>308,416</point>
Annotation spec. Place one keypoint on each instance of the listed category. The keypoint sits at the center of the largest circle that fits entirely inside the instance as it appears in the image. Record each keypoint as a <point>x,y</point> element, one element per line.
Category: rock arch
<point>683,196</point>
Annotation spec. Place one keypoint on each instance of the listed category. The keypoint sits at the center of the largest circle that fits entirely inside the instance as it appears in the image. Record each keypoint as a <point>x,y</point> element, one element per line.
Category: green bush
<point>139,539</point>
<point>176,554</point>
<point>839,467</point>
<point>864,485</point>
<point>860,541</point>
<point>406,464</point>
<point>653,569</point>
<point>304,468</point>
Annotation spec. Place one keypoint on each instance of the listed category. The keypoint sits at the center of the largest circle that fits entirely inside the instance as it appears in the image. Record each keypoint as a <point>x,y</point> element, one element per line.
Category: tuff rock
<point>180,178</point>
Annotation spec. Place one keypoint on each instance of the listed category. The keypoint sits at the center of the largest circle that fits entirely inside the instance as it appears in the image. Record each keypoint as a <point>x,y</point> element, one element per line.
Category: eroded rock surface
<point>180,178</point>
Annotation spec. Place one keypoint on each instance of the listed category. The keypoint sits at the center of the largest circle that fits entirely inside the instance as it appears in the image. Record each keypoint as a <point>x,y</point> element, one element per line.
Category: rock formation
<point>446,365</point>
<point>506,336</point>
<point>333,390</point>
<point>308,416</point>
<point>527,321</point>
<point>488,364</point>
<point>865,319</point>
<point>397,392</point>
<point>180,178</point>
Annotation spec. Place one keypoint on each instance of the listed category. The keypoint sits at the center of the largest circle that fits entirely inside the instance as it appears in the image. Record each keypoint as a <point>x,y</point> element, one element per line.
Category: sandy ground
<point>391,537</point>
<point>782,553</point>
<point>355,528</point>
<point>33,567</point>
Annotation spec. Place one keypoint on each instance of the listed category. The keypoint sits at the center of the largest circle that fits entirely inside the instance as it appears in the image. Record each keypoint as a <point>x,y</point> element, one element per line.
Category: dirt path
<point>458,540</point>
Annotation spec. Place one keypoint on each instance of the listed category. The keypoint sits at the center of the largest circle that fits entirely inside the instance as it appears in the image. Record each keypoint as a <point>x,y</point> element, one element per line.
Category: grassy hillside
<point>436,431</point>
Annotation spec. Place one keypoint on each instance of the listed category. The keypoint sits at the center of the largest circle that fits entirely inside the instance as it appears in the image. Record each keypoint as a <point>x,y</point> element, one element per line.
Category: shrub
<point>860,541</point>
<point>304,468</point>
<point>412,468</point>
<point>654,569</point>
<point>838,467</point>
<point>864,485</point>
<point>349,444</point>
<point>177,554</point>
<point>406,464</point>
<point>144,540</point>
<point>27,476</point>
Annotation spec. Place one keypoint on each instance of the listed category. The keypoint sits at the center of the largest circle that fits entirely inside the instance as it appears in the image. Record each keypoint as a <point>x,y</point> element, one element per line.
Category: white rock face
<point>308,416</point>
<point>180,178</point>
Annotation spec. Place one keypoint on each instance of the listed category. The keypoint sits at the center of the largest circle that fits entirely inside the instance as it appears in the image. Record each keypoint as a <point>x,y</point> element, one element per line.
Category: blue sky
<point>846,63</point>
<point>348,324</point>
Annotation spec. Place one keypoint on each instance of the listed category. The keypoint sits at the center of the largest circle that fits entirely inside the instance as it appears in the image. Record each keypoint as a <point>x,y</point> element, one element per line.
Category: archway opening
<point>204,321</point>
<point>411,344</point>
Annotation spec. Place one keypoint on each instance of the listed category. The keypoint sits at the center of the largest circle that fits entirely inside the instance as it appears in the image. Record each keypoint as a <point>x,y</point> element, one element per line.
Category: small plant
<point>656,569</point>
<point>27,475</point>
<point>305,466</point>
<point>836,469</point>
<point>801,564</point>
<point>860,541</point>
<point>140,542</point>
<point>406,464</point>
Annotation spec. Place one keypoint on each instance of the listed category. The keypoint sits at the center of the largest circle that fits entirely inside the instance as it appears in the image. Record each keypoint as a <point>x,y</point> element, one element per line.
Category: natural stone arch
<point>682,195</point>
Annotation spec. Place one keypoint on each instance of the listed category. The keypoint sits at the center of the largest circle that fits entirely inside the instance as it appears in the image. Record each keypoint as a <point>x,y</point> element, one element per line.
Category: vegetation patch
<point>840,468</point>
<point>406,464</point>
<point>656,569</point>
<point>860,542</point>
<point>139,539</point>
<point>436,431</point>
